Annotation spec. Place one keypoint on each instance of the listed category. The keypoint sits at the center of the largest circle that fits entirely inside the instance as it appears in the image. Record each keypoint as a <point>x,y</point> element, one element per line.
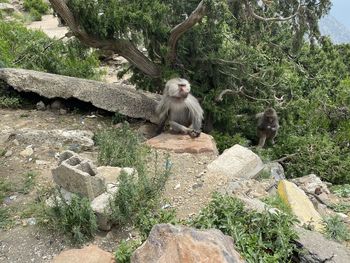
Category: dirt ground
<point>187,189</point>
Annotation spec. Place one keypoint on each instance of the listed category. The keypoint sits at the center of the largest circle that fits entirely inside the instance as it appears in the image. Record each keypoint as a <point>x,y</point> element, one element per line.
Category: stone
<point>275,170</point>
<point>101,207</point>
<point>89,254</point>
<point>57,105</point>
<point>110,174</point>
<point>40,106</point>
<point>67,196</point>
<point>27,152</point>
<point>236,163</point>
<point>8,153</point>
<point>179,143</point>
<point>56,136</point>
<point>78,176</point>
<point>112,97</point>
<point>318,249</point>
<point>8,8</point>
<point>253,204</point>
<point>312,184</point>
<point>300,205</point>
<point>177,244</point>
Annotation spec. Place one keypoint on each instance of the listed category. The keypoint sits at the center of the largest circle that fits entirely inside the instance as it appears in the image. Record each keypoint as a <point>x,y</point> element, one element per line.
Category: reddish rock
<point>90,254</point>
<point>183,143</point>
<point>177,244</point>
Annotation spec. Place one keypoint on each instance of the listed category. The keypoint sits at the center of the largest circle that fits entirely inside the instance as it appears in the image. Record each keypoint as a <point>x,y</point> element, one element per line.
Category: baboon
<point>267,126</point>
<point>181,108</point>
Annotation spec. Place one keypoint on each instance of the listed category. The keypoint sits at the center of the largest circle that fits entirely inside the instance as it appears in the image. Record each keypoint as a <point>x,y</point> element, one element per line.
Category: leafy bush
<point>341,190</point>
<point>336,229</point>
<point>121,147</point>
<point>35,15</point>
<point>24,48</point>
<point>125,250</point>
<point>75,218</point>
<point>259,237</point>
<point>8,99</point>
<point>39,6</point>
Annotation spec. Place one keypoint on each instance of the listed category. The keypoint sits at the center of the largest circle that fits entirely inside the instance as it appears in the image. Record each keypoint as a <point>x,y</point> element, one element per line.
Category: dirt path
<point>49,25</point>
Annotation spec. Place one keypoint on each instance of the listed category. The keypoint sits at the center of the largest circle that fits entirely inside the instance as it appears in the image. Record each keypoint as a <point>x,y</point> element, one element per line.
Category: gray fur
<point>184,113</point>
<point>268,126</point>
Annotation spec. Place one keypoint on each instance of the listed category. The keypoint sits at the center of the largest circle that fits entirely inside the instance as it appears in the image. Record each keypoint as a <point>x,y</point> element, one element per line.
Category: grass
<point>5,216</point>
<point>341,190</point>
<point>336,229</point>
<point>29,182</point>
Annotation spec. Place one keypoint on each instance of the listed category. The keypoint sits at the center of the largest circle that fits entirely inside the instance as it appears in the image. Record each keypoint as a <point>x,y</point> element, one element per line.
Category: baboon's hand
<point>194,133</point>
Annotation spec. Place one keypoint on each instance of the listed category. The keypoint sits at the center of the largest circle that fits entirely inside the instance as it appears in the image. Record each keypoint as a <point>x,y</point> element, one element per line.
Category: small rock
<point>15,142</point>
<point>40,106</point>
<point>63,111</point>
<point>27,152</point>
<point>41,162</point>
<point>197,185</point>
<point>275,170</point>
<point>57,105</point>
<point>8,153</point>
<point>177,186</point>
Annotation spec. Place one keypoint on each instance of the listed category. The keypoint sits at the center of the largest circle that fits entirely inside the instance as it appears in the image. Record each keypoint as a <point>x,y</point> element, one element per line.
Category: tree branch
<point>268,19</point>
<point>181,28</point>
<point>239,92</point>
<point>123,47</point>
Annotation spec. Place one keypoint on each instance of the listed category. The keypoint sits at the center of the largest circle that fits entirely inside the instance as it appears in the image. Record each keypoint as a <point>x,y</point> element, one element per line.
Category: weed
<point>341,208</point>
<point>75,218</point>
<point>125,250</point>
<point>9,102</point>
<point>277,202</point>
<point>5,188</point>
<point>36,5</point>
<point>336,229</point>
<point>341,190</point>
<point>5,218</point>
<point>2,152</point>
<point>29,182</point>
<point>259,237</point>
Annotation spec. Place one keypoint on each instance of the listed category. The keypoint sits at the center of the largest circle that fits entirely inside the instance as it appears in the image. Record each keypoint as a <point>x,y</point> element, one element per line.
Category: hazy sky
<point>341,11</point>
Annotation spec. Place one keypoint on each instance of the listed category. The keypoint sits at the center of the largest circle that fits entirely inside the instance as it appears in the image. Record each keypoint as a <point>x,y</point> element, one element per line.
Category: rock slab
<point>90,254</point>
<point>237,163</point>
<point>120,98</point>
<point>179,143</point>
<point>300,204</point>
<point>177,244</point>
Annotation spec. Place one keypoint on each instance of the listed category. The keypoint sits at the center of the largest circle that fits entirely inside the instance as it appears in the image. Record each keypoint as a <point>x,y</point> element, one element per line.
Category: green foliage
<point>29,182</point>
<point>341,208</point>
<point>125,250</point>
<point>121,147</point>
<point>5,188</point>
<point>38,6</point>
<point>5,218</point>
<point>259,237</point>
<point>137,196</point>
<point>277,202</point>
<point>341,190</point>
<point>75,218</point>
<point>224,140</point>
<point>35,15</point>
<point>9,99</point>
<point>24,48</point>
<point>336,229</point>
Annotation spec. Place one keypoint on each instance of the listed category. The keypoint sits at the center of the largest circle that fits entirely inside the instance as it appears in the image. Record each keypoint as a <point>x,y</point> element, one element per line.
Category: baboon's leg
<point>176,127</point>
<point>262,140</point>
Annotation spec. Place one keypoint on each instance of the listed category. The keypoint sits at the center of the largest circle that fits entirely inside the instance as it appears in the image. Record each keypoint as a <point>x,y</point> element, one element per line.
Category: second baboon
<point>267,126</point>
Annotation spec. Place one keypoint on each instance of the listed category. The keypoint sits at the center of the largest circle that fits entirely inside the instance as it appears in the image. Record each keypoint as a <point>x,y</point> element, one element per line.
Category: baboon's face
<point>179,88</point>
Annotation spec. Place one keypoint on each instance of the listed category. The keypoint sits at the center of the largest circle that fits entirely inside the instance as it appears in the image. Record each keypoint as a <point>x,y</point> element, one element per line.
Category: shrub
<point>125,250</point>
<point>35,15</point>
<point>24,48</point>
<point>39,6</point>
<point>336,229</point>
<point>75,218</point>
<point>259,237</point>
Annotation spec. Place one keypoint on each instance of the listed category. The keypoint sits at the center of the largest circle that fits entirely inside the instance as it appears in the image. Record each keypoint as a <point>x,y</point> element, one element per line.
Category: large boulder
<point>111,97</point>
<point>237,163</point>
<point>177,244</point>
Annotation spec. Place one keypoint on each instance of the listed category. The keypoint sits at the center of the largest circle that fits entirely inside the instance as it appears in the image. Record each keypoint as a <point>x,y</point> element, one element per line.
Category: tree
<point>175,33</point>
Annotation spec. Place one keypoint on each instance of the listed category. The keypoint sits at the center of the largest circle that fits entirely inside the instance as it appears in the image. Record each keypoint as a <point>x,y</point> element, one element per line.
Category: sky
<point>341,11</point>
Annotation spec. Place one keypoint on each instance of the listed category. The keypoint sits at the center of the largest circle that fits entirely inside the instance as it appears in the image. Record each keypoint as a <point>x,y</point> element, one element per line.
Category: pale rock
<point>102,209</point>
<point>40,106</point>
<point>8,8</point>
<point>27,152</point>
<point>8,153</point>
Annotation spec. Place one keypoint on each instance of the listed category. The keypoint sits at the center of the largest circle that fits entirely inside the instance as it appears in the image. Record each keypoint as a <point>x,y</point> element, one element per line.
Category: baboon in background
<point>267,126</point>
<point>181,108</point>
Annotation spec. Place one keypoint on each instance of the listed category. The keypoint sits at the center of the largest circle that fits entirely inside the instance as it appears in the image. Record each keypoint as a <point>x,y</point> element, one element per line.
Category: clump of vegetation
<point>341,208</point>
<point>5,189</point>
<point>341,190</point>
<point>259,237</point>
<point>29,182</point>
<point>8,99</point>
<point>336,229</point>
<point>277,202</point>
<point>125,250</point>
<point>36,8</point>
<point>75,218</point>
<point>24,48</point>
<point>121,147</point>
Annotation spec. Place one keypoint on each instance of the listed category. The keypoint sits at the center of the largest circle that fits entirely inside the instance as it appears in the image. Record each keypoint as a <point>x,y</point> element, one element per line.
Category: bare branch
<point>239,92</point>
<point>268,19</point>
<point>123,47</point>
<point>181,28</point>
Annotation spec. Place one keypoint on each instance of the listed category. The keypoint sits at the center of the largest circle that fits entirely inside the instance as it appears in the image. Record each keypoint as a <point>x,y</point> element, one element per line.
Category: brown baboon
<point>183,111</point>
<point>267,126</point>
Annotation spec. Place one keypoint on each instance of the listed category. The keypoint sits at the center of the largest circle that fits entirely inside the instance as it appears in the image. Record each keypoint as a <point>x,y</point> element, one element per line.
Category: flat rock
<point>90,254</point>
<point>177,244</point>
<point>319,249</point>
<point>179,143</point>
<point>300,204</point>
<point>237,163</point>
<point>7,7</point>
<point>109,173</point>
<point>120,98</point>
